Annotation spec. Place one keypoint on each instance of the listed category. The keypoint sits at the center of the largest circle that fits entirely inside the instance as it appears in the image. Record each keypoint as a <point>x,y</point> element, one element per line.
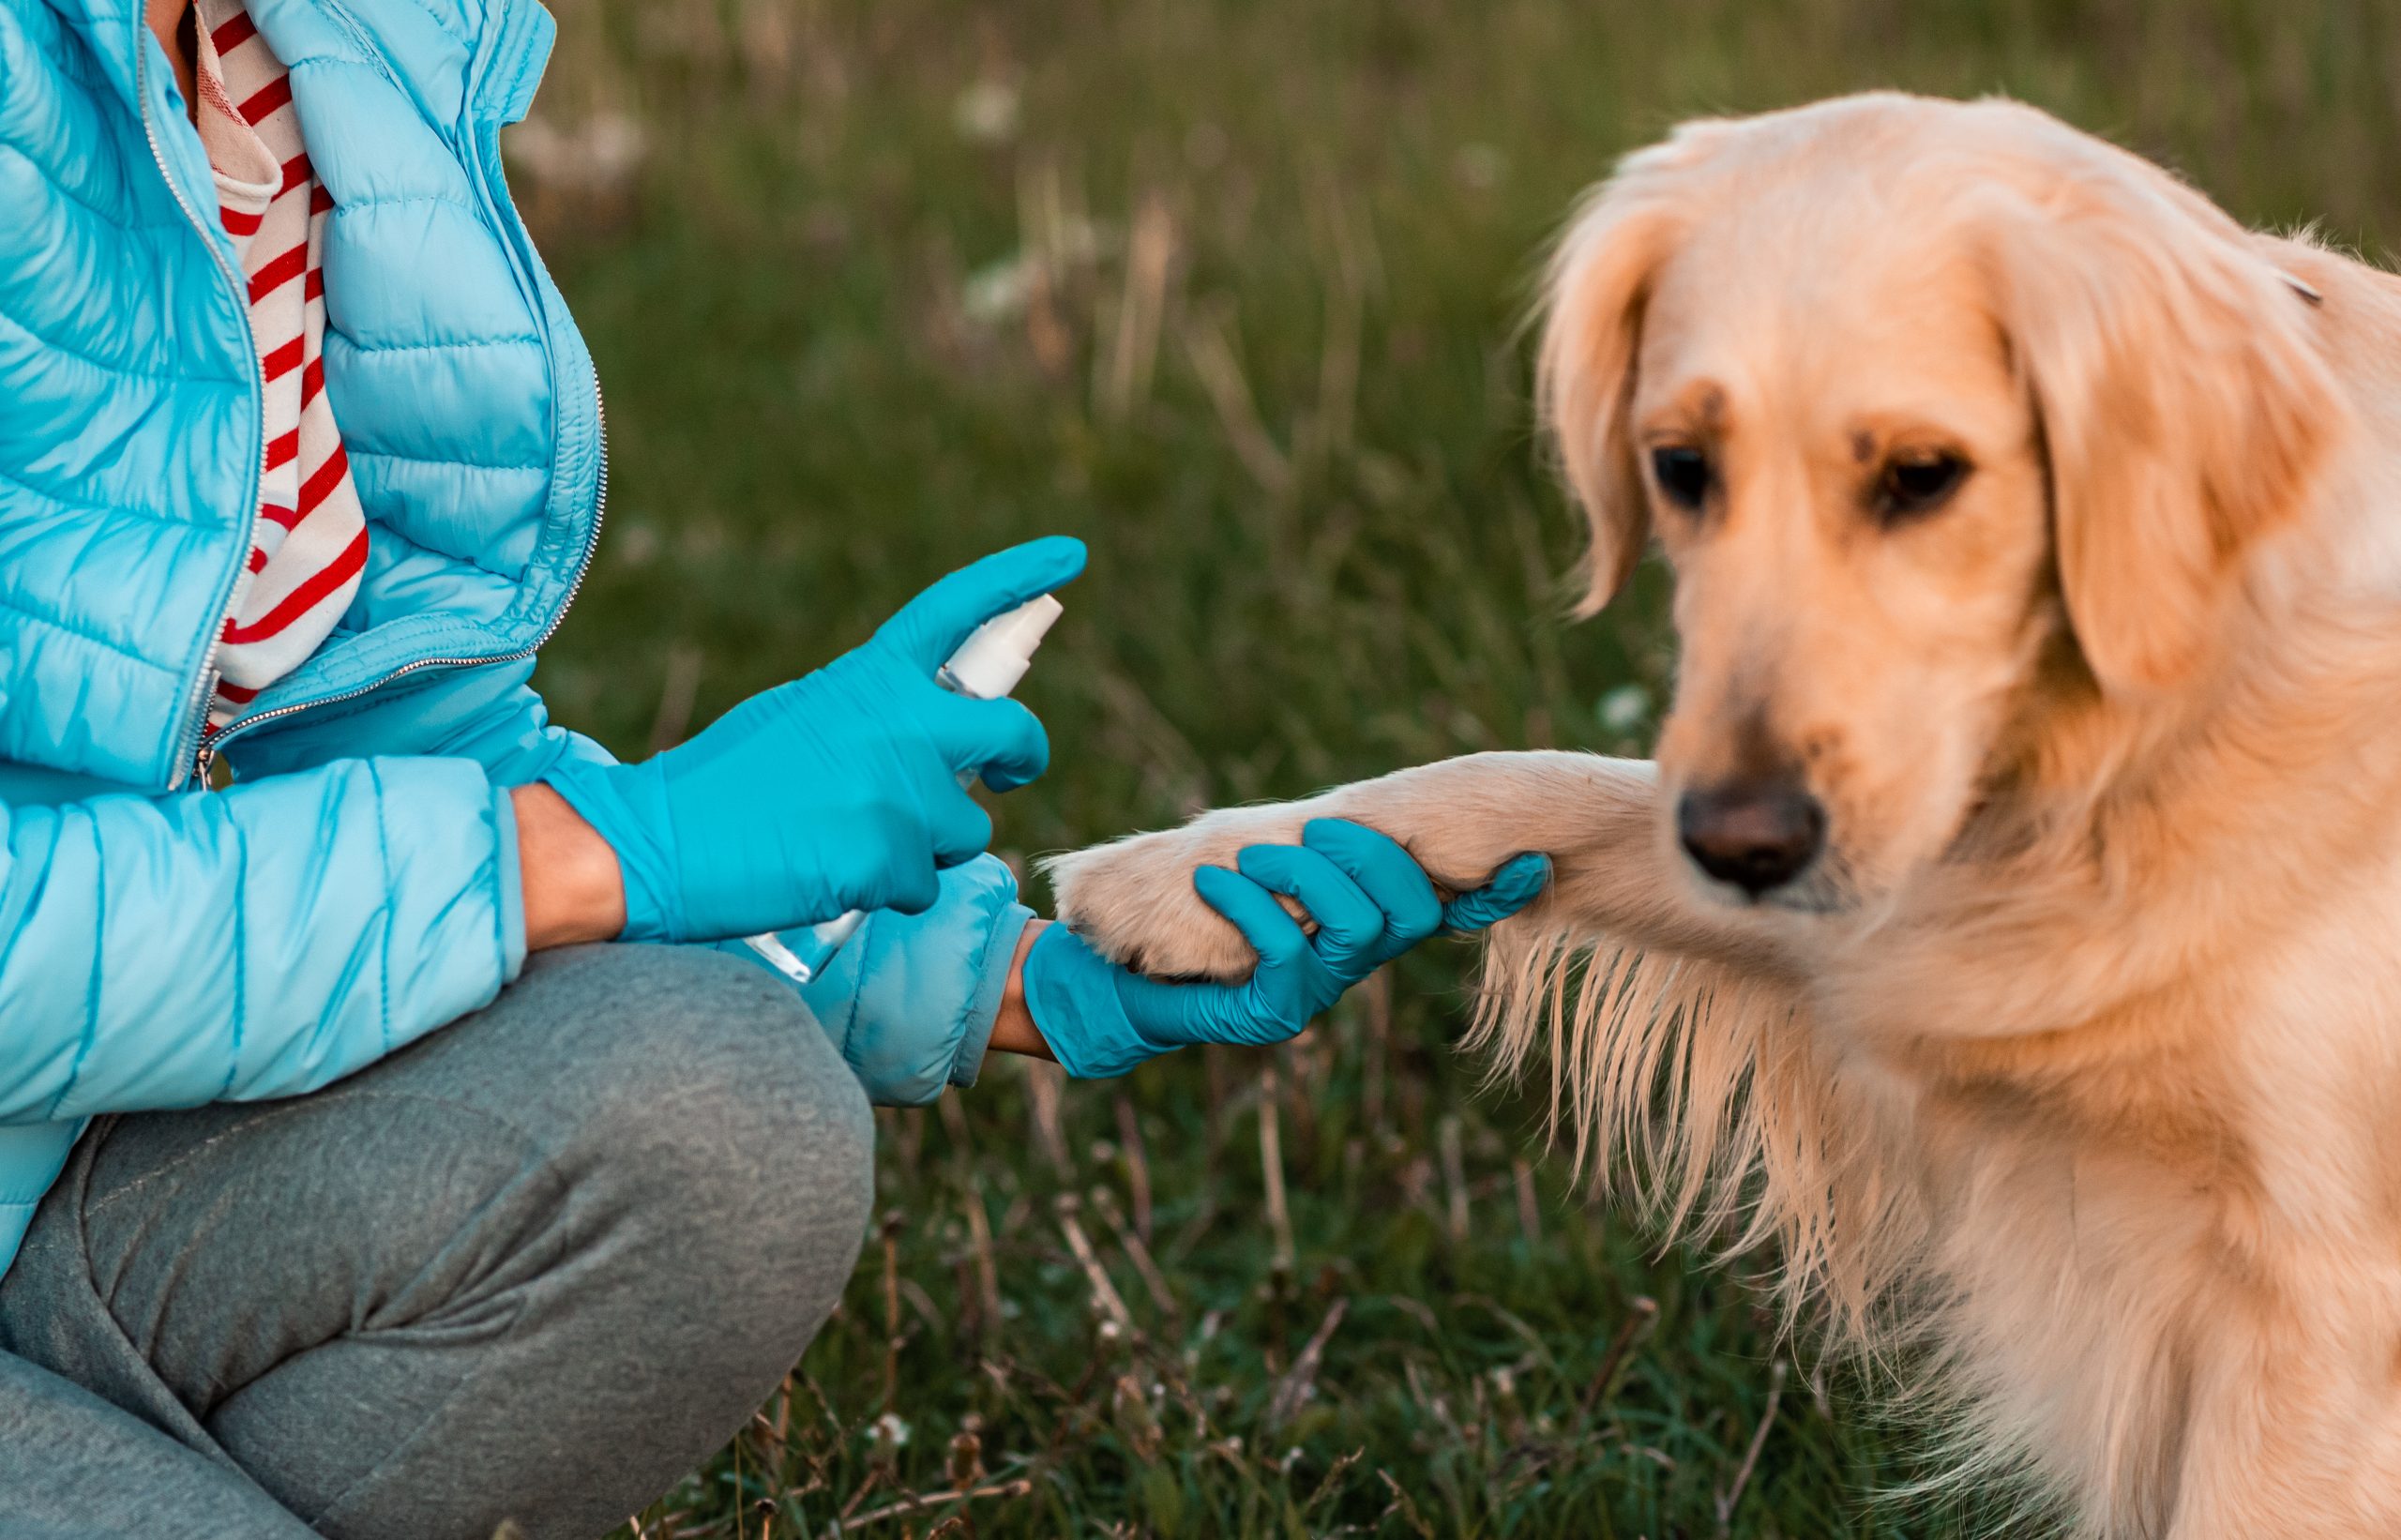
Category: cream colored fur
<point>2072,1072</point>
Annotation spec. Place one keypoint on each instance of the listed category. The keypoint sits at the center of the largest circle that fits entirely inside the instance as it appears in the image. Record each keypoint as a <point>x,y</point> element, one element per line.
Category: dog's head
<point>1925,401</point>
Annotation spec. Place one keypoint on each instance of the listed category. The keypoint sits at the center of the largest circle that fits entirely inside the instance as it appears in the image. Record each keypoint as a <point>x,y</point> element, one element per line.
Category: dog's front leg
<point>1615,869</point>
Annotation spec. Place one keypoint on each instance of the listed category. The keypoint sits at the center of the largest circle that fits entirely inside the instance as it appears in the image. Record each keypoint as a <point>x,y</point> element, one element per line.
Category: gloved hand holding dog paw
<point>836,791</point>
<point>1371,902</point>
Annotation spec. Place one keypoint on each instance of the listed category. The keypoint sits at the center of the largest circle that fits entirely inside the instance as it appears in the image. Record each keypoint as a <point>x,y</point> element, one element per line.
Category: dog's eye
<point>1919,483</point>
<point>1682,474</point>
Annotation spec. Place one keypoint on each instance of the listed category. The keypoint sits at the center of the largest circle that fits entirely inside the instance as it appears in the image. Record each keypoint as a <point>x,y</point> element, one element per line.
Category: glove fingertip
<point>1321,831</point>
<point>1526,872</point>
<point>1517,884</point>
<point>1215,883</point>
<point>1009,774</point>
<point>1036,566</point>
<point>1063,553</point>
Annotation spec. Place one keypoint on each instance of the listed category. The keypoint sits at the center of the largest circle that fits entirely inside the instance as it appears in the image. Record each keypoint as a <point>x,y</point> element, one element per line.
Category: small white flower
<point>999,292</point>
<point>985,113</point>
<point>889,1429</point>
<point>1625,708</point>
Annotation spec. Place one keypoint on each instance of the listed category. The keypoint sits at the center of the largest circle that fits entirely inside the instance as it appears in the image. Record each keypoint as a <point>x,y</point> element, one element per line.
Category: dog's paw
<point>1133,898</point>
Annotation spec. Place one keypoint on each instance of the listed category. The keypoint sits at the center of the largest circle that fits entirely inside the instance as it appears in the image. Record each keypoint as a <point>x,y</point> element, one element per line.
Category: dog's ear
<point>1600,278</point>
<point>2183,410</point>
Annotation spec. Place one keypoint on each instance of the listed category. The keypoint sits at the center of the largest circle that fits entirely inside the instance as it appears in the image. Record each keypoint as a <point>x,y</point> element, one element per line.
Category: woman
<point>300,460</point>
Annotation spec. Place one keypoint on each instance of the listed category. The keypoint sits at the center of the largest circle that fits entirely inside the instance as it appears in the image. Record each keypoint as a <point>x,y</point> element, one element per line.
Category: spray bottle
<point>986,666</point>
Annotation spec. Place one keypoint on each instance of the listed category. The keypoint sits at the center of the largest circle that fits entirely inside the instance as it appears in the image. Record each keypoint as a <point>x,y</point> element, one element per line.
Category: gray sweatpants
<point>538,1266</point>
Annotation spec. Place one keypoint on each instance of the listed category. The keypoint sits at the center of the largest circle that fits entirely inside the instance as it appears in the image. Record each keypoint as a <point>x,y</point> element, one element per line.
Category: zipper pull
<point>204,765</point>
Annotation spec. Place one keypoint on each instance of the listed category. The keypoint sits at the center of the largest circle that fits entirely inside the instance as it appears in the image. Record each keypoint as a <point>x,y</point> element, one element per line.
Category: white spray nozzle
<point>995,655</point>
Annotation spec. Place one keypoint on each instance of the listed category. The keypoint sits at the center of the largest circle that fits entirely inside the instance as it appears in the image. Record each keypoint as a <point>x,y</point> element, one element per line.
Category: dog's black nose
<point>1758,835</point>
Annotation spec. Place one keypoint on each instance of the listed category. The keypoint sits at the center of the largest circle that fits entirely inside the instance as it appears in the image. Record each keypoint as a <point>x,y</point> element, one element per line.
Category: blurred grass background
<point>1232,289</point>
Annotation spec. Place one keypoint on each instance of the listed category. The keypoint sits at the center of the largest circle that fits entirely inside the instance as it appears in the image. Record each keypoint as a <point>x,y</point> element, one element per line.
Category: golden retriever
<point>2010,924</point>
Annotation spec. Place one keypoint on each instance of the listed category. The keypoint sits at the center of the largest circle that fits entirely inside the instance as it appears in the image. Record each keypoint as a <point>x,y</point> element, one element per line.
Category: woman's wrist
<point>573,889</point>
<point>1013,1028</point>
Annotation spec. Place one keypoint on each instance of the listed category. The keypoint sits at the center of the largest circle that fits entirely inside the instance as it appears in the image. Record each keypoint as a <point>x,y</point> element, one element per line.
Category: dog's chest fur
<point>2163,1261</point>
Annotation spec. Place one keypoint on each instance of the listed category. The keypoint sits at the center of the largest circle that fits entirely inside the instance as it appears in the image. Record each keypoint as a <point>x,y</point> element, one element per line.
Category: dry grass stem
<point>1374,999</point>
<point>1145,1265</point>
<point>919,1502</point>
<point>893,1221</point>
<point>1641,1318</point>
<point>1142,303</point>
<point>1043,1082</point>
<point>1345,307</point>
<point>771,1437</point>
<point>1521,1176</point>
<point>1726,1505</point>
<point>1454,1217</point>
<point>1403,1506</point>
<point>1206,343</point>
<point>1294,1389</point>
<point>1271,1167</point>
<point>1138,1164</point>
<point>1332,1481</point>
<point>874,1479</point>
<point>988,1271</point>
<point>1104,1293</point>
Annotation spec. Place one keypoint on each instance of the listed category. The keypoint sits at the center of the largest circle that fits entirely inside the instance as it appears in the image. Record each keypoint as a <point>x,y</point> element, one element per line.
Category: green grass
<point>1232,289</point>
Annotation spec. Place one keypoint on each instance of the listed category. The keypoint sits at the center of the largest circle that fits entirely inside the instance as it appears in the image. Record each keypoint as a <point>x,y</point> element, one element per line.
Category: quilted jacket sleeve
<point>910,1000</point>
<point>261,942</point>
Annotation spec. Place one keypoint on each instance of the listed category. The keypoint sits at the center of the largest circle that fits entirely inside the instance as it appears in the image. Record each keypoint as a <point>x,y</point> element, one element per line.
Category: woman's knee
<point>705,1147</point>
<point>705,1095</point>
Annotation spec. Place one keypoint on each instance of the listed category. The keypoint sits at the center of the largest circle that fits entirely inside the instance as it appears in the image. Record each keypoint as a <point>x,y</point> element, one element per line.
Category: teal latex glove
<point>1371,902</point>
<point>839,791</point>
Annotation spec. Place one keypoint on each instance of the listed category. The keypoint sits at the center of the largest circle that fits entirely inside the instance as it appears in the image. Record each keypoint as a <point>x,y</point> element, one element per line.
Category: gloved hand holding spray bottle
<point>986,667</point>
<point>841,790</point>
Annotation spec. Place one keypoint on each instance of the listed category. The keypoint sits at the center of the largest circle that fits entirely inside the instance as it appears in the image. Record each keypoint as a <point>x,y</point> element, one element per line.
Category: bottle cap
<point>994,658</point>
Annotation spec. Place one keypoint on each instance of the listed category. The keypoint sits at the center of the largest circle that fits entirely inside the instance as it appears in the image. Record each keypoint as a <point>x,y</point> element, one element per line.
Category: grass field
<point>1230,288</point>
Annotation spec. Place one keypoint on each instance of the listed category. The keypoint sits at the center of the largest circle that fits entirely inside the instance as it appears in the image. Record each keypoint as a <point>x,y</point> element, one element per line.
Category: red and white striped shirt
<point>309,544</point>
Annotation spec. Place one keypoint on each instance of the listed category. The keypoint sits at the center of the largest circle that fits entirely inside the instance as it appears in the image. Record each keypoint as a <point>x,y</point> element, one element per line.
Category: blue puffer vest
<point>163,950</point>
<point>358,885</point>
<point>467,402</point>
